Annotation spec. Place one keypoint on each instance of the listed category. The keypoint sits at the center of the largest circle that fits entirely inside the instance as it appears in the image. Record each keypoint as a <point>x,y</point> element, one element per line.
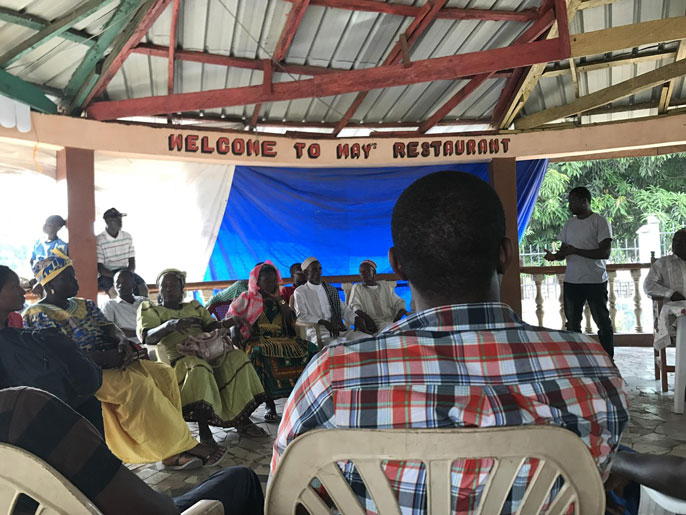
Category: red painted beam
<point>449,13</point>
<point>267,76</point>
<point>563,27</point>
<point>425,15</point>
<point>428,70</point>
<point>172,46</point>
<point>289,29</point>
<point>514,83</point>
<point>456,99</point>
<point>234,62</point>
<point>135,38</point>
<point>531,34</point>
<point>255,115</point>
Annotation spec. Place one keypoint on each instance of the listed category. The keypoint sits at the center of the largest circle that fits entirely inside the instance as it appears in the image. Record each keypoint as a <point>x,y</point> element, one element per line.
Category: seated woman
<point>221,394</point>
<point>276,353</point>
<point>141,406</point>
<point>44,359</point>
<point>376,298</point>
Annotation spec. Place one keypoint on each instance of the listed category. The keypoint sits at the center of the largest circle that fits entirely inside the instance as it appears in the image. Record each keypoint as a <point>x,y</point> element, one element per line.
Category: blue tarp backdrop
<point>339,215</point>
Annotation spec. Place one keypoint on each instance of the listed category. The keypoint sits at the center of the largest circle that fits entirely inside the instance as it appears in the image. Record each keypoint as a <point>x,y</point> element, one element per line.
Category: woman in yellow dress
<point>222,393</point>
<point>141,405</point>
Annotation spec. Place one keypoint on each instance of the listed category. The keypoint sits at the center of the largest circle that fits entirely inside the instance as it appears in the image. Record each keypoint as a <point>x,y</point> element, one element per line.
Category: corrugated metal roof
<point>340,39</point>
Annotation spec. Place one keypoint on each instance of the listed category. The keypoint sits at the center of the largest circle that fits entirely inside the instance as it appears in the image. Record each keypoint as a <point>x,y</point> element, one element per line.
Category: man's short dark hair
<point>581,193</point>
<point>126,271</point>
<point>447,230</point>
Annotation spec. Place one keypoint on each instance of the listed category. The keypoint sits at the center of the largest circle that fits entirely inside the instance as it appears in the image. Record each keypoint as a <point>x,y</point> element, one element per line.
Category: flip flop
<point>271,416</point>
<point>205,460</point>
<point>194,463</point>
<point>252,430</point>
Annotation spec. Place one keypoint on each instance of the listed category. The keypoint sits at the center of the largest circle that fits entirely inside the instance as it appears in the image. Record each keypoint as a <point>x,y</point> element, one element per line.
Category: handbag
<point>208,346</point>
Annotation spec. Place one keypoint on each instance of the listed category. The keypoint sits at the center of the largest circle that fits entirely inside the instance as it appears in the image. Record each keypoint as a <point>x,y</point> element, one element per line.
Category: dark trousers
<point>575,296</point>
<point>91,410</point>
<point>238,488</point>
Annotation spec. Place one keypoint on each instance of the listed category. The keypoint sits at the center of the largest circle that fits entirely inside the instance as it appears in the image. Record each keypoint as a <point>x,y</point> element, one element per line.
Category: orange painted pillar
<point>502,175</point>
<point>76,167</point>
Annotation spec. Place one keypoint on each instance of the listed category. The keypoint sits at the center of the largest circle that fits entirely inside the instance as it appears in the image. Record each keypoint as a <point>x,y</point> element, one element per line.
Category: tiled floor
<point>654,428</point>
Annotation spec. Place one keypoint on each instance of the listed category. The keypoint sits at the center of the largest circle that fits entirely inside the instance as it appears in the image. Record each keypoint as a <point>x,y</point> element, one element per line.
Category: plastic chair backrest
<point>24,473</point>
<point>219,309</point>
<point>316,453</point>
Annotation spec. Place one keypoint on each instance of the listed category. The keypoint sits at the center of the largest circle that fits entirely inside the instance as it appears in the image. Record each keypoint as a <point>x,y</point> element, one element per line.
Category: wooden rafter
<point>112,29</point>
<point>447,13</point>
<point>172,46</point>
<point>37,23</point>
<point>531,34</point>
<point>298,9</point>
<point>242,62</point>
<point>605,96</point>
<point>425,15</point>
<point>139,27</point>
<point>54,29</point>
<point>25,92</point>
<point>428,70</point>
<point>668,89</point>
<point>527,83</point>
<point>602,64</point>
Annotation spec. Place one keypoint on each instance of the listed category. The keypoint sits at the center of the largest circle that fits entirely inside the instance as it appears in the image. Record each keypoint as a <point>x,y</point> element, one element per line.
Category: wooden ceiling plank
<point>604,96</point>
<point>668,88</point>
<point>290,27</point>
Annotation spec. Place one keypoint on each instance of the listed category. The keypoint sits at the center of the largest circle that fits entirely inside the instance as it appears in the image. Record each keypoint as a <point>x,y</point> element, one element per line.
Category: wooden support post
<point>502,175</point>
<point>76,166</point>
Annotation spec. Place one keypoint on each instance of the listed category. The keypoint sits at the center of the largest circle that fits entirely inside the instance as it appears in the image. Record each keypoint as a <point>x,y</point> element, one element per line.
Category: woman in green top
<point>223,393</point>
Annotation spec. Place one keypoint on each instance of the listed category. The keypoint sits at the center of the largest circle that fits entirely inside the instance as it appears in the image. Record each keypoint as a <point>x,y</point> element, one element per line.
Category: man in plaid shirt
<point>463,359</point>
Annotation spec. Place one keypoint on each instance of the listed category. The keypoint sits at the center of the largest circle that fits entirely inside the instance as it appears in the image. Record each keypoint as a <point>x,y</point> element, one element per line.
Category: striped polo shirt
<point>114,253</point>
<point>43,425</point>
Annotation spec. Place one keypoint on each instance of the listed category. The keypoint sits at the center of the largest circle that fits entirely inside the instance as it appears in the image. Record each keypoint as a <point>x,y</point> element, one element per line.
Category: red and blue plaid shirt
<point>472,365</point>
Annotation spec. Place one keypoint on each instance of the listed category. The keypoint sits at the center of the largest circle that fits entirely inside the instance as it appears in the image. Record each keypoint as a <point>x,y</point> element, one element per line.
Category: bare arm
<point>666,474</point>
<point>104,271</point>
<point>132,264</point>
<point>602,252</point>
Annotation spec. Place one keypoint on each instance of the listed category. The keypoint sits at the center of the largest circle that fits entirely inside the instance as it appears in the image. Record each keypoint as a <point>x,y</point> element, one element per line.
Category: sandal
<point>250,429</point>
<point>212,459</point>
<point>193,463</point>
<point>210,442</point>
<point>271,415</point>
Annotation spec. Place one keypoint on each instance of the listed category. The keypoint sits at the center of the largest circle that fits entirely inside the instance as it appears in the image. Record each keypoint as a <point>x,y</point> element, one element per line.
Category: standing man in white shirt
<point>319,303</point>
<point>586,244</point>
<point>116,252</point>
<point>123,310</point>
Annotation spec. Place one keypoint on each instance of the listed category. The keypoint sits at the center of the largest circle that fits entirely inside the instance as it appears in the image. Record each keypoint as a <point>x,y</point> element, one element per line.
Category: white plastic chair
<point>316,453</point>
<point>301,331</point>
<point>22,472</point>
<point>656,503</point>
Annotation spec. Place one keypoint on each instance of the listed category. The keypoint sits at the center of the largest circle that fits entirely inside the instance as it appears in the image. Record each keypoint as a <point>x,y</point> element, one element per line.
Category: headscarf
<point>50,267</point>
<point>370,263</point>
<point>308,262</point>
<point>250,304</point>
<point>181,276</point>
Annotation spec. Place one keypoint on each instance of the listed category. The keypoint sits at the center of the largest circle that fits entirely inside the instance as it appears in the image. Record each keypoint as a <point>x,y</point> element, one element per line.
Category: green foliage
<point>625,191</point>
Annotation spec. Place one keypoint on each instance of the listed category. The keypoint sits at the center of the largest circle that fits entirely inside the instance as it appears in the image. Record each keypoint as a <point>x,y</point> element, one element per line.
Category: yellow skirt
<point>141,410</point>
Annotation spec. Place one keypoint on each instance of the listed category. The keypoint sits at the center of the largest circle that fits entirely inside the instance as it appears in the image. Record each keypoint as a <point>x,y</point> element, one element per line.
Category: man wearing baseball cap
<point>116,252</point>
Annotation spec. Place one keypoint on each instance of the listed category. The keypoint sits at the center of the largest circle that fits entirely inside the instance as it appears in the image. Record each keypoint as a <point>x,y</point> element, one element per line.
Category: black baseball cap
<point>113,212</point>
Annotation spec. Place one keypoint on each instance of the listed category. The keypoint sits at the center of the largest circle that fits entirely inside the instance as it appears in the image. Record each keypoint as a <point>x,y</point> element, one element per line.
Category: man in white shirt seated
<point>667,276</point>
<point>122,311</point>
<point>376,298</point>
<point>318,302</point>
<point>667,280</point>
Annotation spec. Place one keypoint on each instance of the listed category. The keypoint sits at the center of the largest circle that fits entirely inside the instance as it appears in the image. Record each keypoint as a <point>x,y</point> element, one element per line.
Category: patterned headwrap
<point>47,269</point>
<point>370,263</point>
<point>181,276</point>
